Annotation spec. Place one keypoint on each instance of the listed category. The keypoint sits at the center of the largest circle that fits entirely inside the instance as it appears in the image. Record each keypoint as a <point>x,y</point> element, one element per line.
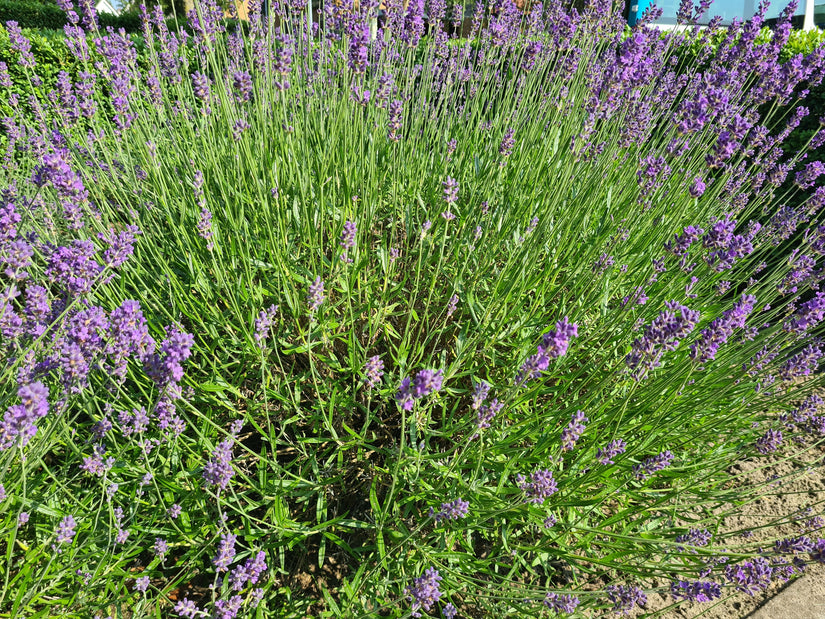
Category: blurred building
<point>728,10</point>
<point>105,6</point>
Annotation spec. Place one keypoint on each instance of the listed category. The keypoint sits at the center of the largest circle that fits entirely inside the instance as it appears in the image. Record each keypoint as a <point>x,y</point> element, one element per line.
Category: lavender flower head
<point>452,305</point>
<point>554,344</point>
<point>450,190</point>
<point>263,323</point>
<point>540,487</point>
<point>480,392</point>
<point>18,422</point>
<point>451,511</point>
<point>663,334</point>
<point>316,294</point>
<point>697,188</point>
<point>424,591</point>
<point>218,469</point>
<point>348,235</point>
<point>142,584</point>
<point>717,333</point>
<point>373,371</point>
<point>226,552</point>
<point>508,142</point>
<point>751,576</point>
<point>573,431</point>
<point>769,442</point>
<point>610,451</point>
<point>697,591</point>
<point>556,341</point>
<point>486,414</point>
<point>561,603</point>
<point>652,465</point>
<point>625,598</point>
<point>427,382</point>
<point>187,608</point>
<point>66,530</point>
<point>204,228</point>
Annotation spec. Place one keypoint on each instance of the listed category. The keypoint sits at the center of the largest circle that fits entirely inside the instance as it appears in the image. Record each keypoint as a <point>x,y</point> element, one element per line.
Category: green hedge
<point>51,17</point>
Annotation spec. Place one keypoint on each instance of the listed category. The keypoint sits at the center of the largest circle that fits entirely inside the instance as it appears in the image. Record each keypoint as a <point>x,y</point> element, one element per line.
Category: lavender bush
<point>358,319</point>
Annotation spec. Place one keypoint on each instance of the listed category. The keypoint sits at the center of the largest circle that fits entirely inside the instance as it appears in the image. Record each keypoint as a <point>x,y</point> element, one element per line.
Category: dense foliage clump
<point>357,318</point>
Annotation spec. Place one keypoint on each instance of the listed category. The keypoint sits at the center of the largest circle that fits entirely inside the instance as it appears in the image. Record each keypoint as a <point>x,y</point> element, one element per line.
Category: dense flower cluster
<point>554,344</point>
<point>606,454</point>
<point>424,383</point>
<point>424,592</point>
<point>373,371</point>
<point>698,591</point>
<point>718,332</point>
<point>751,576</point>
<point>573,431</point>
<point>662,335</point>
<point>451,511</point>
<point>540,486</point>
<point>218,470</point>
<point>652,464</point>
<point>561,603</point>
<point>625,597</point>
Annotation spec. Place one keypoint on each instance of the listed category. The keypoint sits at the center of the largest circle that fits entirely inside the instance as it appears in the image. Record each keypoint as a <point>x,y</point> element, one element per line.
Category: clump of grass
<point>307,320</point>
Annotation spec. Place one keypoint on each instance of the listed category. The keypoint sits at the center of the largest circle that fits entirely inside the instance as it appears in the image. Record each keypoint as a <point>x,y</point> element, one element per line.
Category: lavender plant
<point>243,352</point>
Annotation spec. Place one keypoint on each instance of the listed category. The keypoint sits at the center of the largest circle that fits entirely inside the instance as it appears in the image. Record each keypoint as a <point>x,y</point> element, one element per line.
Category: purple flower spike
<point>480,391</point>
<point>226,552</point>
<point>508,142</point>
<point>486,414</point>
<point>573,431</point>
<point>19,421</point>
<point>424,592</point>
<point>697,188</point>
<point>204,228</point>
<point>451,511</point>
<point>540,487</point>
<point>554,344</point>
<point>818,551</point>
<point>66,530</point>
<point>750,577</point>
<point>187,608</point>
<point>263,323</point>
<point>348,235</point>
<point>664,334</point>
<point>625,598</point>
<point>556,341</point>
<point>652,465</point>
<point>394,122</point>
<point>695,591</point>
<point>404,396</point>
<point>450,190</point>
<point>316,294</point>
<point>769,442</point>
<point>142,584</point>
<point>610,451</point>
<point>427,382</point>
<point>561,603</point>
<point>218,470</point>
<point>373,371</point>
<point>718,332</point>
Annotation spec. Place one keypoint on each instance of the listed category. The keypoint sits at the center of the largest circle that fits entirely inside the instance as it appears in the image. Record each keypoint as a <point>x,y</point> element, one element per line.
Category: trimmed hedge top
<point>52,17</point>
